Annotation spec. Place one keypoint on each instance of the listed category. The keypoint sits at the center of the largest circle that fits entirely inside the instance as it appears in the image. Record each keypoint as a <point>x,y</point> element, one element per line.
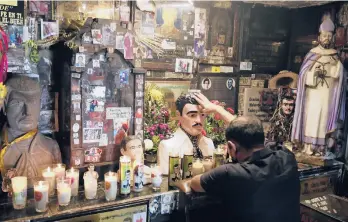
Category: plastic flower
<point>217,116</point>
<point>230,110</point>
<point>156,95</point>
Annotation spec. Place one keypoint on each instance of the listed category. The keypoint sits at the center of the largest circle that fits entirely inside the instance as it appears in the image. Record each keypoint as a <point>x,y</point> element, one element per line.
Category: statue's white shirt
<point>181,144</point>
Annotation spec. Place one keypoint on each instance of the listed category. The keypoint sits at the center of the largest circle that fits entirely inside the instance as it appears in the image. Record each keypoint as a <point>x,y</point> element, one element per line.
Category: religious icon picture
<point>206,83</point>
<point>80,60</point>
<point>97,36</point>
<point>230,83</point>
<point>15,34</point>
<point>184,65</point>
<point>49,29</point>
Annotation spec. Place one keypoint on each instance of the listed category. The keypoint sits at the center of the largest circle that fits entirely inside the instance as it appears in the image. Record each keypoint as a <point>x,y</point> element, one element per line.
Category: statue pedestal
<point>313,160</point>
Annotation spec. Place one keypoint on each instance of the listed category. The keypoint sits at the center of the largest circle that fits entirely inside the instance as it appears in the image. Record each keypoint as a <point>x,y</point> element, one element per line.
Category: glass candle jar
<point>110,185</point>
<point>125,170</point>
<point>59,170</point>
<point>156,177</point>
<point>64,191</point>
<point>90,180</point>
<point>50,176</point>
<point>207,164</point>
<point>41,195</point>
<point>73,175</point>
<point>197,167</point>
<point>19,196</point>
<point>218,157</point>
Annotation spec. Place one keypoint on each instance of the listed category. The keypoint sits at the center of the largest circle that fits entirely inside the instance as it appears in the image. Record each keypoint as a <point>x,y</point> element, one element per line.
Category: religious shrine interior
<point>128,110</point>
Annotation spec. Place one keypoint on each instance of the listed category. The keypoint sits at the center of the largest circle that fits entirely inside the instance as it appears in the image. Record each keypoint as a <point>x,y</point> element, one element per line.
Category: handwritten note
<point>118,112</point>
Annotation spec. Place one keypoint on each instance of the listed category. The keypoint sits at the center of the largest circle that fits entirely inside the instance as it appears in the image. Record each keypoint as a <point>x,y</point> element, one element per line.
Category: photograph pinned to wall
<point>139,112</point>
<point>149,54</point>
<point>183,65</point>
<point>119,42</point>
<point>76,106</point>
<point>148,24</point>
<point>230,83</point>
<point>97,77</point>
<point>93,124</point>
<point>15,34</point>
<point>49,29</point>
<point>108,35</point>
<point>199,48</point>
<point>340,39</point>
<point>97,92</point>
<point>96,63</point>
<point>124,77</point>
<point>80,60</point>
<point>89,71</point>
<point>230,52</point>
<point>87,39</point>
<point>91,135</point>
<point>128,46</point>
<point>96,36</point>
<point>103,140</point>
<point>32,28</point>
<point>75,86</point>
<point>93,155</point>
<point>200,23</point>
<point>189,51</point>
<point>206,83</point>
<point>93,105</point>
<point>124,13</point>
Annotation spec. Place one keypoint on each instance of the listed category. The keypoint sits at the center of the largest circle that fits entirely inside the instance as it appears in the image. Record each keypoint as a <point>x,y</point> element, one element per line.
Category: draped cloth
<point>336,109</point>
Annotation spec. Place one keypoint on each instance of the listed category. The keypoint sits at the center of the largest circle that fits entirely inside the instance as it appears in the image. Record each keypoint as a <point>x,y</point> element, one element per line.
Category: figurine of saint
<point>188,138</point>
<point>321,96</point>
<point>281,121</point>
<point>22,147</point>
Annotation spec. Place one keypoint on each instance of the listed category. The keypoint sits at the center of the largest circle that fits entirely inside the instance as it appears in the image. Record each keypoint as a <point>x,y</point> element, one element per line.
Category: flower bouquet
<point>215,126</point>
<point>156,119</point>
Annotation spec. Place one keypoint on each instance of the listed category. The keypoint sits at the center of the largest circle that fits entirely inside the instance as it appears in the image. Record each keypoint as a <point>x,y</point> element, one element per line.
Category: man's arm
<point>195,184</point>
<point>209,107</point>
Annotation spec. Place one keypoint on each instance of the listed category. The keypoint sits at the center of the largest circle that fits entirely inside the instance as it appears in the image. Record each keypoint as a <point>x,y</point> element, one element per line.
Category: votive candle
<point>59,169</point>
<point>73,175</point>
<point>50,176</point>
<point>19,196</point>
<point>110,185</point>
<point>197,167</point>
<point>156,177</point>
<point>64,191</point>
<point>41,195</point>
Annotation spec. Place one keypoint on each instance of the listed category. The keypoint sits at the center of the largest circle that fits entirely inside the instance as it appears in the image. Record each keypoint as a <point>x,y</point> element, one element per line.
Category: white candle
<point>50,176</point>
<point>197,167</point>
<point>110,186</point>
<point>59,169</point>
<point>73,175</point>
<point>19,196</point>
<point>41,196</point>
<point>156,177</point>
<point>64,191</point>
<point>90,183</point>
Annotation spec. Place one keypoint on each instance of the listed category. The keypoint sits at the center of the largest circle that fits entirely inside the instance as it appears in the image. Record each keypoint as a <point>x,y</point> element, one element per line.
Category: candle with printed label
<point>73,175</point>
<point>138,176</point>
<point>64,191</point>
<point>125,169</point>
<point>19,196</point>
<point>50,176</point>
<point>41,196</point>
<point>197,167</point>
<point>110,186</point>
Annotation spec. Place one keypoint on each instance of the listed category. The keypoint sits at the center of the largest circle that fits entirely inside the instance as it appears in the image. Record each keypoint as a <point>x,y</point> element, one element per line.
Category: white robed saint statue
<point>320,95</point>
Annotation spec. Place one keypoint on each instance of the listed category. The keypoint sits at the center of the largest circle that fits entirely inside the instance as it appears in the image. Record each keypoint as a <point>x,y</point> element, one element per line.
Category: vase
<point>151,156</point>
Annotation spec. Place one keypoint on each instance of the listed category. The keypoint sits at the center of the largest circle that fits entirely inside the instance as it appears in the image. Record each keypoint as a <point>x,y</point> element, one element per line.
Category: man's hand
<point>207,106</point>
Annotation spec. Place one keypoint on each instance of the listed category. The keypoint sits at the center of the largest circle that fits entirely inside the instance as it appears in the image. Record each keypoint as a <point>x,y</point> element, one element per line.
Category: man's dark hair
<point>189,164</point>
<point>183,100</point>
<point>206,80</point>
<point>247,131</point>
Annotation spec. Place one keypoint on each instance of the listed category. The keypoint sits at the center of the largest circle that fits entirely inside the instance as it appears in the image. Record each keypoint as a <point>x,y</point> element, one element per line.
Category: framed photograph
<point>49,29</point>
<point>80,60</point>
<point>183,65</point>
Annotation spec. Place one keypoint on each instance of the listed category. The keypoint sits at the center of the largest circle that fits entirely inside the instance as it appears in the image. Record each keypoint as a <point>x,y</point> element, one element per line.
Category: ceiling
<point>290,4</point>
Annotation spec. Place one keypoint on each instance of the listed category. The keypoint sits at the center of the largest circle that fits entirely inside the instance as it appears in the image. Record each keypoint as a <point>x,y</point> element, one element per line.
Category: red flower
<point>217,116</point>
<point>230,110</point>
<point>204,133</point>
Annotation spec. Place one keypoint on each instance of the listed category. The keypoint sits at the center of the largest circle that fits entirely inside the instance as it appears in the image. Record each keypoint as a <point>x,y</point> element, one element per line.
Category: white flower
<point>148,144</point>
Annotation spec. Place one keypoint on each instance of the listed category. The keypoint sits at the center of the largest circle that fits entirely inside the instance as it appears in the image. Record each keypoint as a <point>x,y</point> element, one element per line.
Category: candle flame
<point>59,165</point>
<point>48,169</point>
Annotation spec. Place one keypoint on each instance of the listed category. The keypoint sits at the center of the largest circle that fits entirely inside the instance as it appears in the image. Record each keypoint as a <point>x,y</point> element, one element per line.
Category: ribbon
<point>7,144</point>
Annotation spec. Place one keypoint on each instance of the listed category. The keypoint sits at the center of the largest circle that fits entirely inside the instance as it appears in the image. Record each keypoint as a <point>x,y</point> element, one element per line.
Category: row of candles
<point>67,182</point>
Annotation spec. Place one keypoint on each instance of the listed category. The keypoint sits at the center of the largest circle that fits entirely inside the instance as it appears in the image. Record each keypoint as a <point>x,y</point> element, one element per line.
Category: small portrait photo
<point>138,121</point>
<point>139,113</point>
<point>96,63</point>
<point>206,83</point>
<point>97,36</point>
<point>230,83</point>
<point>80,60</point>
<point>90,71</point>
<point>15,34</point>
<point>184,65</point>
<point>49,29</point>
<point>230,52</point>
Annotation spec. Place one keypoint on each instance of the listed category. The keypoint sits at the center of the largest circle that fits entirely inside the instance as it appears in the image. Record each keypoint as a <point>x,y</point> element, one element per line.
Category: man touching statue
<point>320,94</point>
<point>188,138</point>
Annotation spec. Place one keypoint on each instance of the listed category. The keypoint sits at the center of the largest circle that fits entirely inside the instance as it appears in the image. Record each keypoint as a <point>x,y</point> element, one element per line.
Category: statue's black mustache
<point>197,124</point>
